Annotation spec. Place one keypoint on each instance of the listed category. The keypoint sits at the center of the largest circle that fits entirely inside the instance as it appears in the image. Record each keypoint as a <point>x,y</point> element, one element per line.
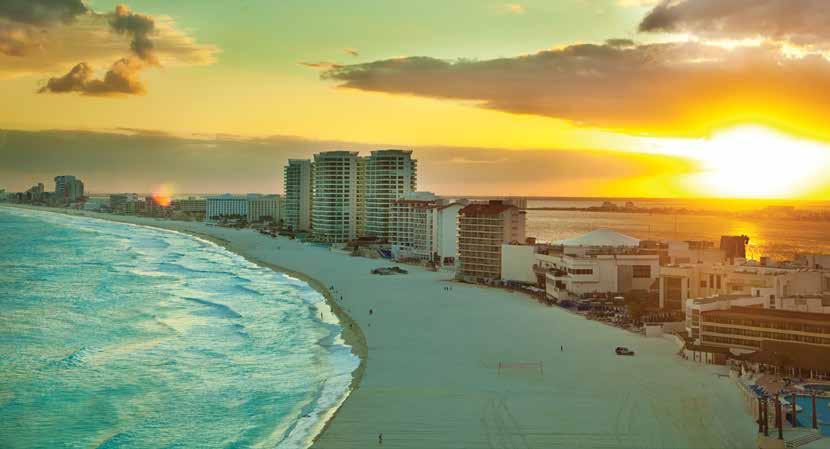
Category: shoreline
<point>352,335</point>
<point>433,381</point>
<point>351,332</point>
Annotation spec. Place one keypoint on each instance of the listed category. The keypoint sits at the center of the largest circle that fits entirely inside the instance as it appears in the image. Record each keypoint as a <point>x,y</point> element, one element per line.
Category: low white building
<point>699,280</point>
<point>96,203</point>
<point>225,206</point>
<point>600,262</point>
<point>758,298</point>
<point>517,263</point>
<point>252,207</point>
<point>817,261</point>
<point>264,208</point>
<point>683,252</point>
<point>694,307</point>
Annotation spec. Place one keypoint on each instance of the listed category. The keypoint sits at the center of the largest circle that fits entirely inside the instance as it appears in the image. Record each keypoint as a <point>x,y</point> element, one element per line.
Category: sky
<point>628,98</point>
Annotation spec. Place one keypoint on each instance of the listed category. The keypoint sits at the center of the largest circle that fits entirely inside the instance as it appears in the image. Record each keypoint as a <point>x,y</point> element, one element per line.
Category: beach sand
<point>430,376</point>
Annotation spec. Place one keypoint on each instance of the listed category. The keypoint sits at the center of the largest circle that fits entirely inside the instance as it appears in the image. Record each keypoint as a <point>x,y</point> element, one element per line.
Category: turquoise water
<point>805,418</point>
<point>115,336</point>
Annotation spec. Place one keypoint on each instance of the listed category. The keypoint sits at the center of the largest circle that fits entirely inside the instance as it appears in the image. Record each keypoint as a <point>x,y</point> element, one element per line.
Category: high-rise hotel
<point>349,196</point>
<point>334,207</point>
<point>388,176</point>
<point>297,198</point>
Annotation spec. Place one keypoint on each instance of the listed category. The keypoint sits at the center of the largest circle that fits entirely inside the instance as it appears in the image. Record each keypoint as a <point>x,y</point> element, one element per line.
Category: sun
<point>755,162</point>
<point>163,195</point>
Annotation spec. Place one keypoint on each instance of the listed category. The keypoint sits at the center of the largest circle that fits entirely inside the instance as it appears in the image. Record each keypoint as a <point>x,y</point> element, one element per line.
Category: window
<point>641,271</point>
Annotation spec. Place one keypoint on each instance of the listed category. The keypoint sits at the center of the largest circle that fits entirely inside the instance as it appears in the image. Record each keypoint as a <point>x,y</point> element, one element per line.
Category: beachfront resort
<point>766,322</point>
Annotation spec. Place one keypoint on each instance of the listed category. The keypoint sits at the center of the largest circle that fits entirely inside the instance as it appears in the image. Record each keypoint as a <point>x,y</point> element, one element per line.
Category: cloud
<point>22,22</point>
<point>52,36</point>
<point>139,26</point>
<point>15,39</point>
<point>121,79</point>
<point>797,22</point>
<point>324,65</point>
<point>136,160</point>
<point>351,51</point>
<point>92,40</point>
<point>42,12</point>
<point>649,88</point>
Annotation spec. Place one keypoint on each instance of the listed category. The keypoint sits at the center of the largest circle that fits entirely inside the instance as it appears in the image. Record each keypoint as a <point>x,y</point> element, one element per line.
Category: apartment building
<point>68,189</point>
<point>297,198</point>
<point>335,201</point>
<point>383,177</point>
<point>421,226</point>
<point>482,229</point>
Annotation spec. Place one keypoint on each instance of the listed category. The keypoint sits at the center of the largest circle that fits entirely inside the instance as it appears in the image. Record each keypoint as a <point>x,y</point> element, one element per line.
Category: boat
<point>622,350</point>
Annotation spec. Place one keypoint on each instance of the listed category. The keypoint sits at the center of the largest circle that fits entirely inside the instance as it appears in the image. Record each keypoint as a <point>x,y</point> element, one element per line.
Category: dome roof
<point>601,237</point>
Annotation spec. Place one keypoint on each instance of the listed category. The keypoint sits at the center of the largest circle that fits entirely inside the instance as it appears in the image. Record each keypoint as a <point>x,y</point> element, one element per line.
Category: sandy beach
<point>430,375</point>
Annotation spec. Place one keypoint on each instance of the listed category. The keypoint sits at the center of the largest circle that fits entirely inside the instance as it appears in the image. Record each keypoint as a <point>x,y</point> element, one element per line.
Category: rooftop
<point>788,354</point>
<point>491,208</point>
<point>789,315</point>
<point>714,299</point>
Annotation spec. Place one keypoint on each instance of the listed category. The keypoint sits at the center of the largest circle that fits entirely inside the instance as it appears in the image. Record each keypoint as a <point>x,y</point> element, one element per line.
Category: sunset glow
<point>684,104</point>
<point>755,162</point>
<point>163,195</point>
<point>415,224</point>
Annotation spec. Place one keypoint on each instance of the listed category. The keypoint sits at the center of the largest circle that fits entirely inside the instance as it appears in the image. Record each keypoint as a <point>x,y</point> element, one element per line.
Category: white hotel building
<point>421,226</point>
<point>252,207</point>
<point>600,262</point>
<point>680,282</point>
<point>335,206</point>
<point>265,208</point>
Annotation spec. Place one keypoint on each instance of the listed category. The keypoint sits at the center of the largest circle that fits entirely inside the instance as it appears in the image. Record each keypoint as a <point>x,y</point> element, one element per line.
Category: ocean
<point>778,238</point>
<point>114,335</point>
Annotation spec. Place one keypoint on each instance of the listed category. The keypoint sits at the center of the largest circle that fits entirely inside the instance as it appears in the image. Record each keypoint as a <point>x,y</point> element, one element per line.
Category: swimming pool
<point>805,417</point>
